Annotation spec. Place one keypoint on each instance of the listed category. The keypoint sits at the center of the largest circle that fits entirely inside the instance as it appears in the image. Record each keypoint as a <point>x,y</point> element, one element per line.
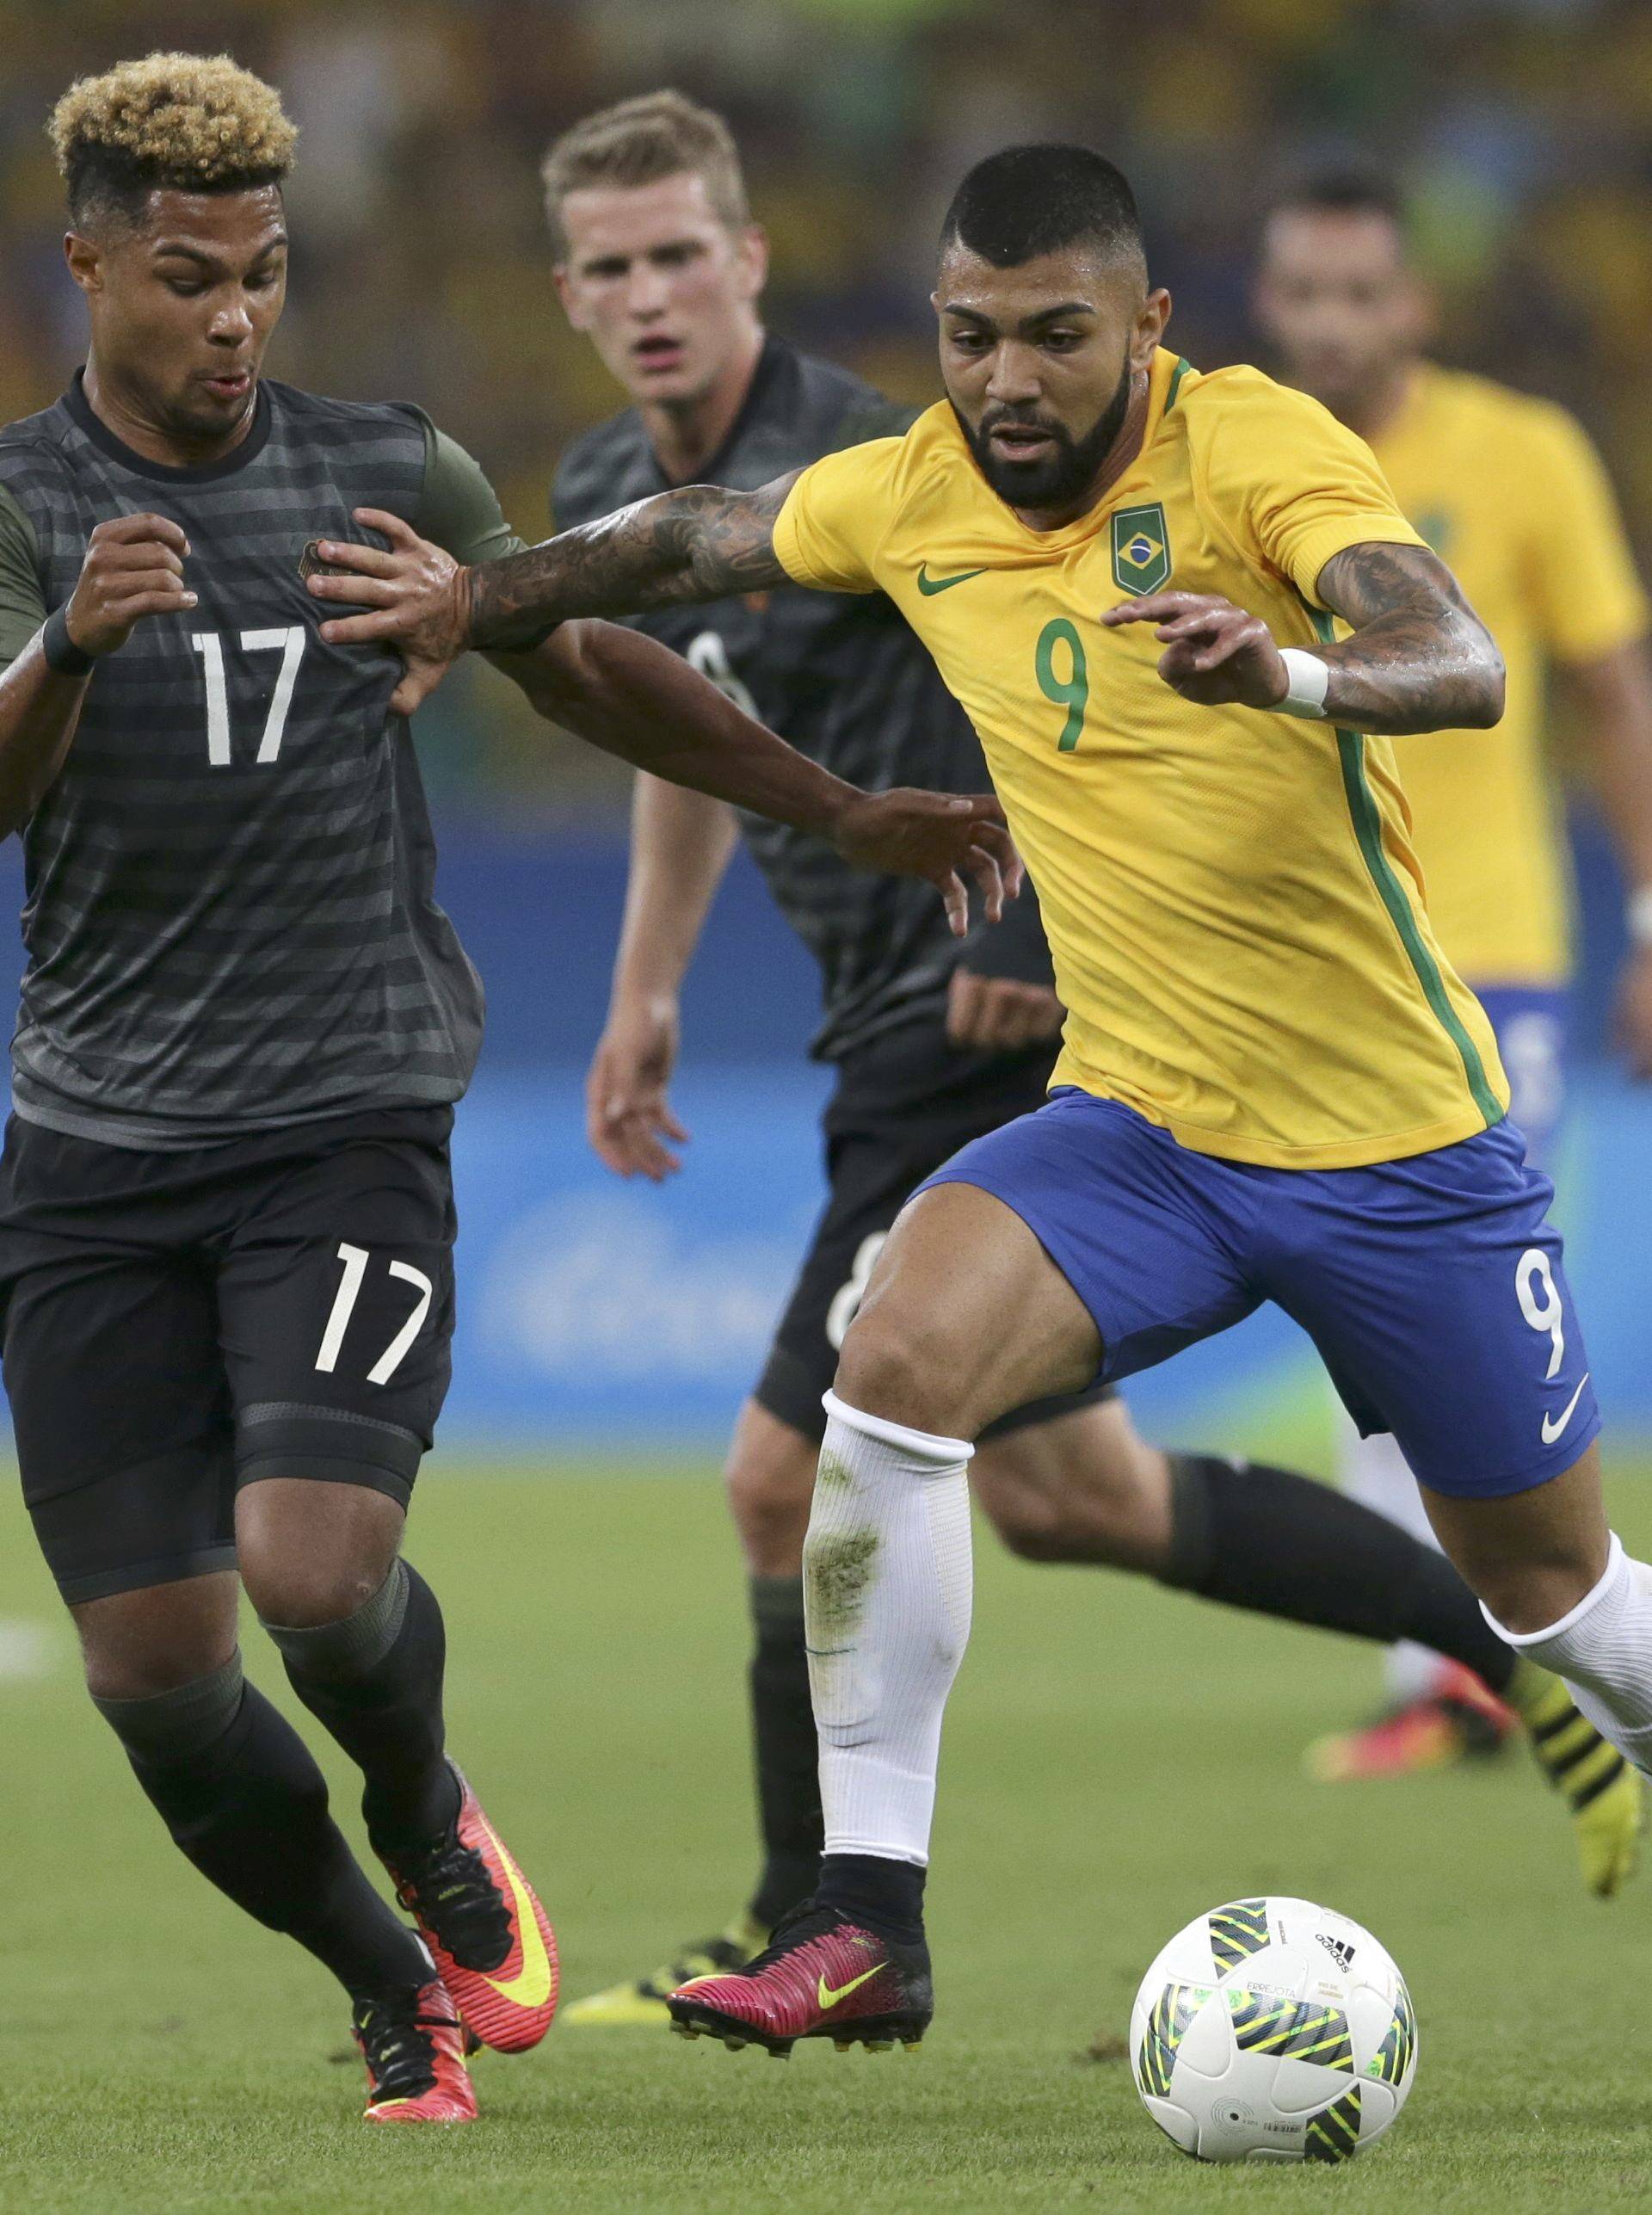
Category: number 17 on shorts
<point>355,1262</point>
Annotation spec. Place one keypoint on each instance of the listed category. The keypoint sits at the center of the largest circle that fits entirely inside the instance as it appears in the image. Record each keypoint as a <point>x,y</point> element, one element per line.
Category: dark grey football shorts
<point>177,1325</point>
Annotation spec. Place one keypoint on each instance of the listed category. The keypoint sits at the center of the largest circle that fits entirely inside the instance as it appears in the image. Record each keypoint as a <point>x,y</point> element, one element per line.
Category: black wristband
<point>61,652</point>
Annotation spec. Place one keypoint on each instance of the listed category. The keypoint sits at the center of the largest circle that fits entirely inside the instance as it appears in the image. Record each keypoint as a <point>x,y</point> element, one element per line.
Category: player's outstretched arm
<point>1420,658</point>
<point>634,698</point>
<point>133,567</point>
<point>700,543</point>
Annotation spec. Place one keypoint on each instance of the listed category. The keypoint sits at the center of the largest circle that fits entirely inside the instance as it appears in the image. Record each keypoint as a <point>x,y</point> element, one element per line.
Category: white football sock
<point>886,1588</point>
<point>1375,1472</point>
<point>1603,1651</point>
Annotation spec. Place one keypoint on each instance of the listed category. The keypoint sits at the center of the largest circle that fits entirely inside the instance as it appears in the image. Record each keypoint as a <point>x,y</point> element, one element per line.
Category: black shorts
<point>178,1325</point>
<point>903,1106</point>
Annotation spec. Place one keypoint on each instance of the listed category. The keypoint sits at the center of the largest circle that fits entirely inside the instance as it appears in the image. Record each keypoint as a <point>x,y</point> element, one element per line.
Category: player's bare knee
<point>135,1645</point>
<point>312,1551</point>
<point>770,1481</point>
<point>770,1513</point>
<point>892,1366</point>
<point>301,1594</point>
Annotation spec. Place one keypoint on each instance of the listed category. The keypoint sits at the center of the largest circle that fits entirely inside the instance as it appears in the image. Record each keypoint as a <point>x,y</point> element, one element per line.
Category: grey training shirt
<point>229,914</point>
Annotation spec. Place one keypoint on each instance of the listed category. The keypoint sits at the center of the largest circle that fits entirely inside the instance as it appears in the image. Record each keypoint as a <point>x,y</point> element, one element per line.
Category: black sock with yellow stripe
<point>1571,1753</point>
<point>1265,1540</point>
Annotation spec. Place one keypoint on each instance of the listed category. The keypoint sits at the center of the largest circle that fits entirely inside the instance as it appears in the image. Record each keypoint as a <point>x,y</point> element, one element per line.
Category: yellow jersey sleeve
<point>1588,597</point>
<point>1290,484</point>
<point>837,514</point>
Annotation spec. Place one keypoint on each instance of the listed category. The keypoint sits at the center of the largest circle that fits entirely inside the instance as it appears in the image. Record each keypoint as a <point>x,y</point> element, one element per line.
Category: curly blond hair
<point>190,122</point>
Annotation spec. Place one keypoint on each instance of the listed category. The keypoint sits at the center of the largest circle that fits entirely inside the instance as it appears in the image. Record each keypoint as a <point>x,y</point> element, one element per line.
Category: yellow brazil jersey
<point>1508,492</point>
<point>1230,897</point>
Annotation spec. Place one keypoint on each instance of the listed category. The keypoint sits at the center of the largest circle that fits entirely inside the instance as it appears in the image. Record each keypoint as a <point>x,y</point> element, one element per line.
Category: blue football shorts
<point>1433,1287</point>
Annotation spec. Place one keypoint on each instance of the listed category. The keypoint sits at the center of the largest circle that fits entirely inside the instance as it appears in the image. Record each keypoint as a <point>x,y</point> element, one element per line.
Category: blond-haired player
<point>226,1215</point>
<point>1508,489</point>
<point>1180,611</point>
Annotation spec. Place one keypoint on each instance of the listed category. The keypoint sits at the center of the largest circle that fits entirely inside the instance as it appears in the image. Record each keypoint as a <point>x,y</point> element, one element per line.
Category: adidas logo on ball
<point>1249,2046</point>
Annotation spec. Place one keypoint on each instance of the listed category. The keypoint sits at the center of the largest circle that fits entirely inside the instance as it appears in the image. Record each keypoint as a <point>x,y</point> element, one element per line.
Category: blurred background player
<point>226,1213</point>
<point>659,263</point>
<point>1510,492</point>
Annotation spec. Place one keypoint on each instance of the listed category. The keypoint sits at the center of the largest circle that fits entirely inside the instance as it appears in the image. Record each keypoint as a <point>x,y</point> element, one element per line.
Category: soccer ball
<point>1273,2030</point>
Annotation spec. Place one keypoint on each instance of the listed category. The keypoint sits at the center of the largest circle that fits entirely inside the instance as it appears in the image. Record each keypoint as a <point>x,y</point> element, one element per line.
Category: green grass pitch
<point>1117,1759</point>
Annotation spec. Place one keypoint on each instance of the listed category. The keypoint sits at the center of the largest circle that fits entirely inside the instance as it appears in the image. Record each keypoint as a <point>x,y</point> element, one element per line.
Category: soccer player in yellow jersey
<point>1508,491</point>
<point>1183,612</point>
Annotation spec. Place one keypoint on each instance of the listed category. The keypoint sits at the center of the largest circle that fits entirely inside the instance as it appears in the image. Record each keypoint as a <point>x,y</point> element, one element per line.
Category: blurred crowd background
<point>1521,128</point>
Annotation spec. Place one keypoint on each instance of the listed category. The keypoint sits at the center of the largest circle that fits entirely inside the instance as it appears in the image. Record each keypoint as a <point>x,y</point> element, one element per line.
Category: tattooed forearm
<point>701,543</point>
<point>1420,658</point>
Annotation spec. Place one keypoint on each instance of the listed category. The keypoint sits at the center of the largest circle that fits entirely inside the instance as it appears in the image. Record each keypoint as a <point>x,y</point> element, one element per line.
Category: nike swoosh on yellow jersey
<point>930,585</point>
<point>1551,1429</point>
<point>531,1986</point>
<point>829,1998</point>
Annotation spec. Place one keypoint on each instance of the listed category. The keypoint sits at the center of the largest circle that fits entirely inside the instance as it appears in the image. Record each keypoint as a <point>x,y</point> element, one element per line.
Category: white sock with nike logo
<point>887,1580</point>
<point>1602,1650</point>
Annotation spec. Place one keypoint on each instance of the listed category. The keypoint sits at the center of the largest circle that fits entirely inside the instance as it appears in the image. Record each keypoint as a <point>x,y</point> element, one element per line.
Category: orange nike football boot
<point>823,1976</point>
<point>413,2044</point>
<point>491,1939</point>
<point>1458,1718</point>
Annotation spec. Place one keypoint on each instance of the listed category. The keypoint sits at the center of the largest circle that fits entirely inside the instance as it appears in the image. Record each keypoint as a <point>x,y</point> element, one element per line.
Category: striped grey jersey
<point>843,677</point>
<point>229,917</point>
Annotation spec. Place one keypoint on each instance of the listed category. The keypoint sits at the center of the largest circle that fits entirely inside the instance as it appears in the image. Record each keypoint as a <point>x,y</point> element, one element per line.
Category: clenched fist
<point>1000,1015</point>
<point>133,567</point>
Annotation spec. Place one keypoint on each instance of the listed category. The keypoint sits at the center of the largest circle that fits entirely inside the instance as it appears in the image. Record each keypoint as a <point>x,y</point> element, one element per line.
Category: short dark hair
<point>182,122</point>
<point>1346,190</point>
<point>1028,200</point>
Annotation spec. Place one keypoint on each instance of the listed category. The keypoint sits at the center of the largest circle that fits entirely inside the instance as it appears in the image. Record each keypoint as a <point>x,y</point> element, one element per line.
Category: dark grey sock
<point>374,1678</point>
<point>243,1798</point>
<point>788,1751</point>
<point>354,1644</point>
<point>178,1725</point>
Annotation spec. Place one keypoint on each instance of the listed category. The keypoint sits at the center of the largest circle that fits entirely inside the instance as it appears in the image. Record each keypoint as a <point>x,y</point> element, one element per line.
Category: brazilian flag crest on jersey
<point>1141,549</point>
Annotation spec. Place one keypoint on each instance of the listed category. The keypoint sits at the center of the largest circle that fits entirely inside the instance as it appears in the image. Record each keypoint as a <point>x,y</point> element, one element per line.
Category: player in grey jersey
<point>933,1042</point>
<point>225,1207</point>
